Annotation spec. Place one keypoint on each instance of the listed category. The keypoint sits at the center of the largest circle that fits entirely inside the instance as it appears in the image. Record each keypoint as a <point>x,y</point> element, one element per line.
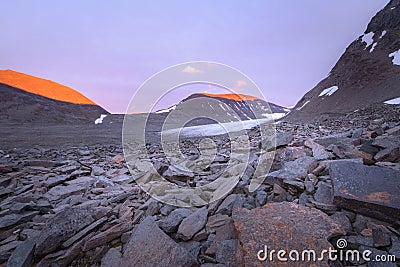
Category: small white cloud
<point>241,83</point>
<point>190,69</point>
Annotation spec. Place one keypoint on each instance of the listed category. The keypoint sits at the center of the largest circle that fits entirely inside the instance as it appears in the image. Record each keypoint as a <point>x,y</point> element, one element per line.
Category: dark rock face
<point>278,228</point>
<point>18,106</point>
<point>370,190</point>
<point>244,110</point>
<point>364,74</point>
<point>148,239</point>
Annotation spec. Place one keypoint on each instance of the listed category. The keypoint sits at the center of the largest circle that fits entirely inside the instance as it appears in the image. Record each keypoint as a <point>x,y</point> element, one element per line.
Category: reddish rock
<point>286,226</point>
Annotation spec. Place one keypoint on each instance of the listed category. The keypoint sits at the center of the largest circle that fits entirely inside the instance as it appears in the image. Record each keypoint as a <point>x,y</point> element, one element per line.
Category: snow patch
<point>166,110</point>
<point>373,47</point>
<point>383,34</point>
<point>367,38</point>
<point>392,8</point>
<point>100,120</point>
<point>215,129</point>
<point>274,116</point>
<point>302,106</point>
<point>396,57</point>
<point>329,91</point>
<point>394,101</point>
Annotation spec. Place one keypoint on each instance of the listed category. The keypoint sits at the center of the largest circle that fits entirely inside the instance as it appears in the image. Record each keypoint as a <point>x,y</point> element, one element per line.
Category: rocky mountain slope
<point>225,108</point>
<point>25,98</point>
<point>368,72</point>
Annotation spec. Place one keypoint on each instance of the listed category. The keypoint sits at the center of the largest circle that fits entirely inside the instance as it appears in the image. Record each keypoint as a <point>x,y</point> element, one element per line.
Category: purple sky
<point>106,49</point>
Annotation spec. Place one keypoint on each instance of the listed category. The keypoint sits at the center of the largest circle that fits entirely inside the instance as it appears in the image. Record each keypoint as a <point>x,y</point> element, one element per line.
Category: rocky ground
<point>333,179</point>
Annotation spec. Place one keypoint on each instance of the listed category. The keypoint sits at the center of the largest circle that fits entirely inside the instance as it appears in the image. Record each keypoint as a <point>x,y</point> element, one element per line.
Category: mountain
<point>26,98</point>
<point>226,108</point>
<point>366,74</point>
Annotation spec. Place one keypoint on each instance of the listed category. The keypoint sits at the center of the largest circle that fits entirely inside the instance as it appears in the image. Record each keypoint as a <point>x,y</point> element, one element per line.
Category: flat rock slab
<point>22,255</point>
<point>370,190</point>
<point>150,246</point>
<point>296,169</point>
<point>60,228</point>
<point>286,226</point>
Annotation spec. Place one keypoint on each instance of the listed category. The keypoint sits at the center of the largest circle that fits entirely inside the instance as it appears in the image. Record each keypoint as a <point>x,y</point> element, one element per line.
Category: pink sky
<point>106,49</point>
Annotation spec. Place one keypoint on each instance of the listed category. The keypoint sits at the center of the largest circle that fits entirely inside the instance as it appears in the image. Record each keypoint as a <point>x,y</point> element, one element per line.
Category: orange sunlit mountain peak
<point>43,87</point>
<point>237,97</point>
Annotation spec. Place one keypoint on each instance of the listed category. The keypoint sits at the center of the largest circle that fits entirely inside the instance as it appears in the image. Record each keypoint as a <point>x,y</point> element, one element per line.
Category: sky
<point>108,49</point>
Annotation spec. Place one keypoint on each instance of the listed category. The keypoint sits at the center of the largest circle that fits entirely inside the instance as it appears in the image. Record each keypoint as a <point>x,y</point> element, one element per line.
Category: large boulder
<point>369,190</point>
<point>150,246</point>
<point>285,226</point>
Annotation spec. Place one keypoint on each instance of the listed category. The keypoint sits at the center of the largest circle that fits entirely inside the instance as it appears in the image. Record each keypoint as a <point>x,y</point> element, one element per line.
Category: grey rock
<point>61,227</point>
<point>386,141</point>
<point>356,240</point>
<point>174,173</point>
<point>357,133</point>
<point>303,199</point>
<point>149,246</point>
<point>319,151</point>
<point>324,193</point>
<point>283,139</point>
<point>298,185</point>
<point>192,224</point>
<point>6,168</point>
<point>22,256</point>
<point>381,238</point>
<point>42,163</point>
<point>390,154</point>
<point>394,131</point>
<point>395,249</point>
<point>229,202</point>
<point>67,169</point>
<point>171,222</point>
<point>335,139</point>
<point>216,221</point>
<point>55,180</point>
<point>309,186</point>
<point>261,198</point>
<point>113,258</point>
<point>83,232</point>
<point>82,152</point>
<point>166,209</point>
<point>62,191</point>
<point>360,223</point>
<point>193,247</point>
<point>294,169</point>
<point>229,252</point>
<point>97,171</point>
<point>341,219</point>
<point>13,219</point>
<point>368,190</point>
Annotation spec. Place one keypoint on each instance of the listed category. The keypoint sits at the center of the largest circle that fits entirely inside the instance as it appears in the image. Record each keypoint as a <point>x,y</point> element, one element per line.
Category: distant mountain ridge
<point>25,98</point>
<point>238,106</point>
<point>367,73</point>
<point>43,87</point>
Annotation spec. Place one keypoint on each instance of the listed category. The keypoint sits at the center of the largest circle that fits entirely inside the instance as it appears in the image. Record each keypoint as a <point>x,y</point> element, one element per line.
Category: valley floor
<point>68,198</point>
